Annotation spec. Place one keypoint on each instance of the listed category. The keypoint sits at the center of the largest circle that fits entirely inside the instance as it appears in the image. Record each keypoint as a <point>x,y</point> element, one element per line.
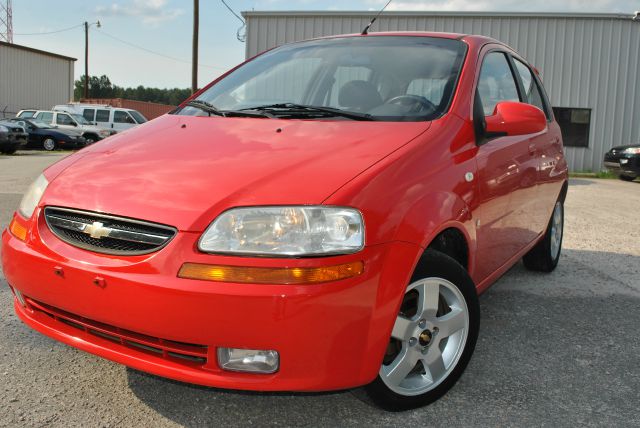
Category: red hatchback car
<point>321,217</point>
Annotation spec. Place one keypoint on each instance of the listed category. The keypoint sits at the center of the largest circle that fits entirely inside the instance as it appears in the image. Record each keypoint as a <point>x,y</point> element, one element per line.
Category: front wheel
<point>627,177</point>
<point>433,337</point>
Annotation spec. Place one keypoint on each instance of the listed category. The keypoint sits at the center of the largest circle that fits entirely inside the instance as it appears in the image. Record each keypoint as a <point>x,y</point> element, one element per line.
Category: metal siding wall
<point>590,62</point>
<point>32,80</point>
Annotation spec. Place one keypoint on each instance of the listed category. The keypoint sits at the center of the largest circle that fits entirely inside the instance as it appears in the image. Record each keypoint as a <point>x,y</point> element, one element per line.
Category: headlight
<point>4,129</point>
<point>31,199</point>
<point>632,150</point>
<point>285,231</point>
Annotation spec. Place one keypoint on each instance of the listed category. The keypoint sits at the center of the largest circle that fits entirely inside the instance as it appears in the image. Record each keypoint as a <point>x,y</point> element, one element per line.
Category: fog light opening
<point>248,360</point>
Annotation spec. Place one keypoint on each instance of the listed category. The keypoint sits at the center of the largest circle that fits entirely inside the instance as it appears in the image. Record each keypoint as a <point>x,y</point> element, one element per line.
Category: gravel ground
<point>554,350</point>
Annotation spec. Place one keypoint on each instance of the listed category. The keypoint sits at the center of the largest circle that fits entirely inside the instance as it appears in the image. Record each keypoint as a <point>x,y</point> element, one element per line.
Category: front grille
<point>107,234</point>
<point>185,353</point>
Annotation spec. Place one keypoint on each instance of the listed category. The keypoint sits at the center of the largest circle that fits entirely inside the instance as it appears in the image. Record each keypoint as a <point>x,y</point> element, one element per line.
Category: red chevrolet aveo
<point>321,217</point>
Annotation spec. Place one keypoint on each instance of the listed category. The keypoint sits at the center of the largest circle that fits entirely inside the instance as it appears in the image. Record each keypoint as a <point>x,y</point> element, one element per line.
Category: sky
<point>165,27</point>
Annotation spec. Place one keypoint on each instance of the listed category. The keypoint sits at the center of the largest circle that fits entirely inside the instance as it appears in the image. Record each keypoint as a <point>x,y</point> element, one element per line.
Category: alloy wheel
<point>49,144</point>
<point>427,339</point>
<point>556,230</point>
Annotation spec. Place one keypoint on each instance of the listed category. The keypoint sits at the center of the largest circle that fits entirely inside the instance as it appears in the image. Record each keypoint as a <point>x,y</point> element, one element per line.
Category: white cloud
<point>152,12</point>
<point>612,6</point>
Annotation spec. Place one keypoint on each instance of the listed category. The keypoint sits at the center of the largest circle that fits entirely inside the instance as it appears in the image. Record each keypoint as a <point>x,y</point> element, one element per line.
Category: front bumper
<point>329,336</point>
<point>627,165</point>
<point>12,140</point>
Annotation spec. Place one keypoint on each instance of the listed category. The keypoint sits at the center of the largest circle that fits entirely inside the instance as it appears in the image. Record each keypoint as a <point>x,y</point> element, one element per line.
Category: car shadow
<point>547,354</point>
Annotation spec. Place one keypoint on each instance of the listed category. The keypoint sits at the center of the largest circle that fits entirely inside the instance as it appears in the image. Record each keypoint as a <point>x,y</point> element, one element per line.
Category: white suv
<point>64,120</point>
<point>104,115</point>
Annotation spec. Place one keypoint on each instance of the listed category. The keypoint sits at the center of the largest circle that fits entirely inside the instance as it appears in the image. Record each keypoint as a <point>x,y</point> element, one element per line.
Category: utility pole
<point>86,60</point>
<point>194,65</point>
<point>86,56</point>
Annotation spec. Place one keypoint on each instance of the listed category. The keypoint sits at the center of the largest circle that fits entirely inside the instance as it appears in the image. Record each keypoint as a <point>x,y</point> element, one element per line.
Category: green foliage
<point>101,87</point>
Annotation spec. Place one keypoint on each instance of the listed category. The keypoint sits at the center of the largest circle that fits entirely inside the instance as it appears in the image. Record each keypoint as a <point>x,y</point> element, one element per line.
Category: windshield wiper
<point>206,107</point>
<point>307,109</point>
<point>209,108</point>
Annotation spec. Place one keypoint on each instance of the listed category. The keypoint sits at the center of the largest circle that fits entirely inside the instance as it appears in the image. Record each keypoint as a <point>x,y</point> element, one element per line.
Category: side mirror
<point>513,118</point>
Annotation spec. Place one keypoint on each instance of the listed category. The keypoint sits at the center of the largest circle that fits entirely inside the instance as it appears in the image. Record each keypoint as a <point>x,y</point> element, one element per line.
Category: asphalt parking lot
<point>554,350</point>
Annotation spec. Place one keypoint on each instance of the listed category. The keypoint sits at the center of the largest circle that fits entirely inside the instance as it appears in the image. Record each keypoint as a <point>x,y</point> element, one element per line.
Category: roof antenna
<point>366,29</point>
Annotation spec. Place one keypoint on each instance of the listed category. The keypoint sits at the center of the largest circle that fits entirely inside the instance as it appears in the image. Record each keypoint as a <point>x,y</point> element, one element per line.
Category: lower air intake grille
<point>107,234</point>
<point>185,353</point>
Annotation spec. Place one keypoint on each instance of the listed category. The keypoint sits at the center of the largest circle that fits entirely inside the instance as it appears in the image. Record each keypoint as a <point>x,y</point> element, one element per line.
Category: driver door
<point>507,173</point>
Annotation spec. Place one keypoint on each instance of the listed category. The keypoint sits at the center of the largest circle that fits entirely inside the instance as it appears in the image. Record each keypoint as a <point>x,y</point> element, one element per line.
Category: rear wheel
<point>545,255</point>
<point>433,337</point>
<point>627,177</point>
<point>49,144</point>
<point>9,151</point>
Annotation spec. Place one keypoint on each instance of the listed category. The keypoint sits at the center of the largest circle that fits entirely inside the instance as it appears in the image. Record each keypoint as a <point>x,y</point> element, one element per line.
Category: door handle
<point>532,148</point>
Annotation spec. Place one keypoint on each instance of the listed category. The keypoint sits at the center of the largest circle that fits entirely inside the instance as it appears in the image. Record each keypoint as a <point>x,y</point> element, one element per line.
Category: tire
<point>627,177</point>
<point>440,338</point>
<point>90,139</point>
<point>9,151</point>
<point>49,144</point>
<point>545,255</point>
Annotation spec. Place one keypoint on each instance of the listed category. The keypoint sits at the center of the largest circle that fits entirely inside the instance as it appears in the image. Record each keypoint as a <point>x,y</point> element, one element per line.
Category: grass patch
<point>590,174</point>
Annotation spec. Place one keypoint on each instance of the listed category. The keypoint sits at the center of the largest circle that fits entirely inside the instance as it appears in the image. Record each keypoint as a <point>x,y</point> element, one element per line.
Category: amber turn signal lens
<point>18,230</point>
<point>262,275</point>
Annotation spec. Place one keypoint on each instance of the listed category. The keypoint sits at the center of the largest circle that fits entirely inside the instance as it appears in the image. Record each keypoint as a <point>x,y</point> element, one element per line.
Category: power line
<point>241,37</point>
<point>104,33</point>
<point>48,32</point>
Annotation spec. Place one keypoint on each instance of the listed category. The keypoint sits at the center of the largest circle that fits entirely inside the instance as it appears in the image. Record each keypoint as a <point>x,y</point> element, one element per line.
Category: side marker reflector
<point>18,230</point>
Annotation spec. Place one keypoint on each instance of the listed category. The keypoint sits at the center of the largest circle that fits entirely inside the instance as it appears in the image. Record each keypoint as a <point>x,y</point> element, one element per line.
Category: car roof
<point>482,40</point>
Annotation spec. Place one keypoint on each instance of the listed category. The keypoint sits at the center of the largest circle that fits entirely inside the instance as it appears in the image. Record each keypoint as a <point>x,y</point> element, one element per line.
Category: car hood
<point>183,171</point>
<point>94,128</point>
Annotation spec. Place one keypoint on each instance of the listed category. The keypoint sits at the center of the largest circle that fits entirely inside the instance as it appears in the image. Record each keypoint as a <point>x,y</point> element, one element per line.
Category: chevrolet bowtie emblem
<point>96,230</point>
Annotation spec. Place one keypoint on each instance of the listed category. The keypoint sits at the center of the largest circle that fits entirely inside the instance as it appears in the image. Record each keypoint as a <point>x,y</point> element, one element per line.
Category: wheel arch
<point>563,191</point>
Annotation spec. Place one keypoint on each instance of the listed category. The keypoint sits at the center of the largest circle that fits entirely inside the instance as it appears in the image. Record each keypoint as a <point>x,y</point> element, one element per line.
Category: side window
<point>102,116</point>
<point>64,119</point>
<point>45,117</point>
<point>496,82</point>
<point>122,117</point>
<point>532,93</point>
<point>89,113</point>
<point>27,114</point>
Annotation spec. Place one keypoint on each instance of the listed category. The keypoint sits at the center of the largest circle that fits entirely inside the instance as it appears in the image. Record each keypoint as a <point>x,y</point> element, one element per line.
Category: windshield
<point>137,116</point>
<point>80,119</point>
<point>388,78</point>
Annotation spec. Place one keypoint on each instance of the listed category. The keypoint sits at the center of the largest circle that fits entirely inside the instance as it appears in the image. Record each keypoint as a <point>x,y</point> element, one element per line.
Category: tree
<point>101,87</point>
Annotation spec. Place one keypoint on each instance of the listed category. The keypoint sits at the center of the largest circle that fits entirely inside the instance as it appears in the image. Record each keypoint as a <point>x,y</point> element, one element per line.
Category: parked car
<point>624,161</point>
<point>44,136</point>
<point>70,121</point>
<point>12,137</point>
<point>104,115</point>
<point>335,209</point>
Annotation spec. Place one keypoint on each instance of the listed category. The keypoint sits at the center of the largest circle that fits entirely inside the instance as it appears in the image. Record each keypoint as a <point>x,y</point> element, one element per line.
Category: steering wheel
<point>416,101</point>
